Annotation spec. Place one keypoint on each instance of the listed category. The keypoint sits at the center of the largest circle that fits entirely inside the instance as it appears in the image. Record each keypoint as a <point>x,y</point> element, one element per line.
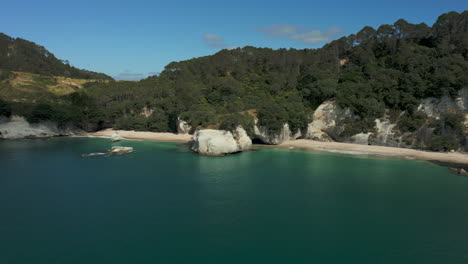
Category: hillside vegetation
<point>377,73</point>
<point>20,55</point>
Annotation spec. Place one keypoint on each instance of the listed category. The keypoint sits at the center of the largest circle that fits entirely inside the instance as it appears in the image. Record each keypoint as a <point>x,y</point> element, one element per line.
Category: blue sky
<point>131,39</point>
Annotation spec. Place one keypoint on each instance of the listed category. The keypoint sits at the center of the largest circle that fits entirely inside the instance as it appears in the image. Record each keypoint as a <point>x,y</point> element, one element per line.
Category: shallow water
<point>163,204</point>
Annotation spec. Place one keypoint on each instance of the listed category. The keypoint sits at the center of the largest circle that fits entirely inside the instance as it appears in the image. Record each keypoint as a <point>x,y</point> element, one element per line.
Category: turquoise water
<point>163,204</point>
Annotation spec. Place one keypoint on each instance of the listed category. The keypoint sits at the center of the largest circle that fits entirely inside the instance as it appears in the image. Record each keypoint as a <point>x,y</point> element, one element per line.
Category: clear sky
<point>131,39</point>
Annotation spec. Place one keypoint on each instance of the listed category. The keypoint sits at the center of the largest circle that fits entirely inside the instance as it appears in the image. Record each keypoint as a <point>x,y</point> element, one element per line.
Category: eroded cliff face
<point>327,121</point>
<point>17,127</point>
<point>435,107</point>
<point>213,142</point>
<point>183,127</point>
<point>263,134</point>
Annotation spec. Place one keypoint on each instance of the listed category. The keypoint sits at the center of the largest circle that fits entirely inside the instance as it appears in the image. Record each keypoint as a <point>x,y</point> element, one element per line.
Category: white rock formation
<point>434,107</point>
<point>116,137</point>
<point>361,138</point>
<point>385,132</point>
<point>325,119</point>
<point>220,142</point>
<point>17,127</point>
<point>182,126</point>
<point>267,137</point>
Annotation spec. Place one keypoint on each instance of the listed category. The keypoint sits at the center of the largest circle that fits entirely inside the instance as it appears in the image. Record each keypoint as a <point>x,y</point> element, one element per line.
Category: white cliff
<point>220,142</point>
<point>267,137</point>
<point>18,127</point>
<point>325,119</point>
<point>182,126</point>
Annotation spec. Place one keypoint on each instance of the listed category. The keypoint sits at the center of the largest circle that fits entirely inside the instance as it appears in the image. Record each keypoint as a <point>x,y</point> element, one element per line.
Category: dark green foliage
<point>41,112</point>
<point>21,55</point>
<point>353,127</point>
<point>410,122</point>
<point>444,143</point>
<point>374,72</point>
<point>231,121</point>
<point>454,122</point>
<point>4,74</point>
<point>200,115</point>
<point>5,108</point>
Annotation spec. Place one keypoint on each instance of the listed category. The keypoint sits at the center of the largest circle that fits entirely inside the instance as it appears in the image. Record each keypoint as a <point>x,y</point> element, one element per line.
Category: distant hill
<point>21,55</point>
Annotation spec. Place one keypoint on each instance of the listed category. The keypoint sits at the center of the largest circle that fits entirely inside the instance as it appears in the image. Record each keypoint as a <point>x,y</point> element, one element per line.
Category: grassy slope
<point>29,87</point>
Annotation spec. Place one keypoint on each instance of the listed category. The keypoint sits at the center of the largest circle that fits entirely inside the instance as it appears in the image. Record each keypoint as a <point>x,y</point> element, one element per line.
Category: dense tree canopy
<point>375,73</point>
<point>17,54</point>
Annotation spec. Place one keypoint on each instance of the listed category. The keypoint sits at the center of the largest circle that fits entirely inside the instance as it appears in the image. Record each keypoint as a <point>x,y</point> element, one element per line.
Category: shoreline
<point>356,149</point>
<point>141,135</point>
<point>333,147</point>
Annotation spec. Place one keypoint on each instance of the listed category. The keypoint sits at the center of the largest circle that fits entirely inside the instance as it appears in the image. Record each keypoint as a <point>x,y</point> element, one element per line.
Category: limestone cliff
<point>263,134</point>
<point>18,127</point>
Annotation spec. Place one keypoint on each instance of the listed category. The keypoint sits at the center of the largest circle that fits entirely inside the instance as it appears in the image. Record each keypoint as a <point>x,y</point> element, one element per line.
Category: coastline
<point>334,147</point>
<point>141,135</point>
<point>356,149</point>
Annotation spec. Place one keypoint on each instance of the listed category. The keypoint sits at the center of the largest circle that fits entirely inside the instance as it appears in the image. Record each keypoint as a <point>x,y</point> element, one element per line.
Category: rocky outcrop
<point>183,127</point>
<point>326,120</point>
<point>361,138</point>
<point>116,137</point>
<point>263,134</point>
<point>434,107</point>
<point>220,142</point>
<point>17,127</point>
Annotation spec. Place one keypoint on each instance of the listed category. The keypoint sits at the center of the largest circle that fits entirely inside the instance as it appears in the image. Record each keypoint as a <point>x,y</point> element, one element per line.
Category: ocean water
<point>163,204</point>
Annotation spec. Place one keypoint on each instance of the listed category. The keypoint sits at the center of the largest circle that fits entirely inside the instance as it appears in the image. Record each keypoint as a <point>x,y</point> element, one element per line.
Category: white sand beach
<point>337,147</point>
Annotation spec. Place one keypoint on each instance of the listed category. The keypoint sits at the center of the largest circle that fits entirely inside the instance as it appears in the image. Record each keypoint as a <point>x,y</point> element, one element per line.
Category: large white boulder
<point>220,142</point>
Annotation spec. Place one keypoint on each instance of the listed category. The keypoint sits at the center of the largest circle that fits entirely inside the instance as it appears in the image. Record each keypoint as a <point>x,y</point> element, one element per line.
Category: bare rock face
<point>325,120</point>
<point>213,142</point>
<point>435,107</point>
<point>361,138</point>
<point>267,137</point>
<point>18,127</point>
<point>182,126</point>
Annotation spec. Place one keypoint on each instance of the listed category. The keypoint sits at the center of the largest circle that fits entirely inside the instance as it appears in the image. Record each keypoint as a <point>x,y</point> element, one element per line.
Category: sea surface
<point>164,204</point>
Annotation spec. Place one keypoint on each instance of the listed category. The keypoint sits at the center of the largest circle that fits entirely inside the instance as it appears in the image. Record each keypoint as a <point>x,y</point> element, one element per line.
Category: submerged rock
<point>117,150</point>
<point>220,142</point>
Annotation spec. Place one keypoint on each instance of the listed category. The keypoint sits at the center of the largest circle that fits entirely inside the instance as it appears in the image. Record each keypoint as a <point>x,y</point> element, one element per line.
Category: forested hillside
<point>17,54</point>
<point>376,73</point>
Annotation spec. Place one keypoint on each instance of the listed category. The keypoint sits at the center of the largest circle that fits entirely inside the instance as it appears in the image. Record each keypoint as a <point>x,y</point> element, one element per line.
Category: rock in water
<point>220,142</point>
<point>116,137</point>
<point>119,150</point>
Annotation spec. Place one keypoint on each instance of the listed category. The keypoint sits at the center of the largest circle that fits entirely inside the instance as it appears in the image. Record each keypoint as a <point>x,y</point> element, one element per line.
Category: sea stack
<point>213,142</point>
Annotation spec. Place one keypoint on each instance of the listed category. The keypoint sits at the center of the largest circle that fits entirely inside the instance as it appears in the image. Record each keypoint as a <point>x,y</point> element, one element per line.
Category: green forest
<point>18,54</point>
<point>375,72</point>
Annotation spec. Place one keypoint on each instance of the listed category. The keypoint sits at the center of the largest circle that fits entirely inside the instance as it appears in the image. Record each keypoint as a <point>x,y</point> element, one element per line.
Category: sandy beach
<point>140,135</point>
<point>337,147</point>
<point>347,148</point>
